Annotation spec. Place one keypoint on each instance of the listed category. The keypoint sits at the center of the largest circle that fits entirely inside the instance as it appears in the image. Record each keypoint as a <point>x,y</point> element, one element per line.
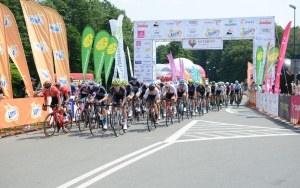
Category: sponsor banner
<point>5,75</point>
<point>202,44</point>
<point>39,36</point>
<point>295,109</point>
<point>284,107</point>
<point>110,56</point>
<point>59,44</point>
<point>15,48</point>
<point>259,100</point>
<point>225,28</point>
<point>273,100</point>
<point>86,48</point>
<point>144,60</point>
<point>23,111</point>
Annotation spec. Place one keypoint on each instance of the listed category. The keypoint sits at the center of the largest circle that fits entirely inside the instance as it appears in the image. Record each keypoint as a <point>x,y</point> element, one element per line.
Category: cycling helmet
<point>151,87</point>
<point>57,84</point>
<point>79,85</point>
<point>213,82</point>
<point>133,78</point>
<point>236,81</point>
<point>91,82</point>
<point>167,84</point>
<point>116,82</point>
<point>47,84</point>
<point>227,83</point>
<point>190,81</point>
<point>181,81</point>
<point>124,83</point>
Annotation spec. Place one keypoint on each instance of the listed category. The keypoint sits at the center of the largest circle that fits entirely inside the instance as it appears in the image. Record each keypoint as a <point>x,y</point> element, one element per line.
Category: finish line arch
<point>260,29</point>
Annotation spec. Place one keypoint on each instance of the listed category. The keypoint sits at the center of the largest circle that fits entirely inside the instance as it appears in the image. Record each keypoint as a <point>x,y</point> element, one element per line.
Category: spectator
<point>33,82</point>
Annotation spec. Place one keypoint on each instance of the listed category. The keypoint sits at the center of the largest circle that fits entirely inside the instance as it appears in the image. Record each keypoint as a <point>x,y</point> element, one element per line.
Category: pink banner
<point>173,69</point>
<point>295,109</point>
<point>181,68</point>
<point>283,46</point>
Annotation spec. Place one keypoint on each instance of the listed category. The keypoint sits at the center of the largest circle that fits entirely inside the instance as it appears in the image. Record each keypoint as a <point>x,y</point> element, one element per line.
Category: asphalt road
<point>236,147</point>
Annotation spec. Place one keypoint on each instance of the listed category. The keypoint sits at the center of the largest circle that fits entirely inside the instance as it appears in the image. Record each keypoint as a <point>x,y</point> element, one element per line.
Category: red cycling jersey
<point>64,90</point>
<point>53,92</point>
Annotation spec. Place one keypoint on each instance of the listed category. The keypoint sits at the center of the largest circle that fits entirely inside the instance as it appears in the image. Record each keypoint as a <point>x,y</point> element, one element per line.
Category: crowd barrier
<point>276,105</point>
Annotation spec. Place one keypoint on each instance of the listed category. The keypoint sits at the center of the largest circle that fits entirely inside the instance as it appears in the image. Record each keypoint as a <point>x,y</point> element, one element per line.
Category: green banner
<point>87,41</point>
<point>273,56</point>
<point>266,63</point>
<point>258,67</point>
<point>110,55</point>
<point>100,47</point>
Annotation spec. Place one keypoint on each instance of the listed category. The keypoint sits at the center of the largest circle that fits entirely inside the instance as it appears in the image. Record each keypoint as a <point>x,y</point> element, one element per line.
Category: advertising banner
<point>100,47</point>
<point>202,44</point>
<point>284,107</point>
<point>23,111</point>
<point>15,48</point>
<point>173,69</point>
<point>5,75</point>
<point>143,60</point>
<point>109,56</point>
<point>295,109</point>
<point>59,44</point>
<point>39,36</point>
<point>272,104</point>
<point>86,48</point>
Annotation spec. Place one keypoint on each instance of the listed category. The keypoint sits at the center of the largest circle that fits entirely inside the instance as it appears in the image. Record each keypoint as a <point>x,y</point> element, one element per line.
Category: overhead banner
<point>143,64</point>
<point>202,44</point>
<point>59,44</point>
<point>15,48</point>
<point>100,47</point>
<point>39,36</point>
<point>86,48</point>
<point>5,75</point>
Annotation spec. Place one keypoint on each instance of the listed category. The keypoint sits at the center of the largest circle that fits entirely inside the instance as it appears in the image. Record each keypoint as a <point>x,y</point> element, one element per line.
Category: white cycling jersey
<point>208,89</point>
<point>171,91</point>
<point>156,93</point>
<point>237,86</point>
<point>220,88</point>
<point>182,89</point>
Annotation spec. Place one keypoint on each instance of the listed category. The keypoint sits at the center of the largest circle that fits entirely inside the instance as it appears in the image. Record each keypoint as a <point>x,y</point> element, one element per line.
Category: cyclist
<point>118,93</point>
<point>64,90</point>
<point>200,90</point>
<point>169,92</point>
<point>152,95</point>
<point>143,91</point>
<point>228,90</point>
<point>219,92</point>
<point>136,88</point>
<point>212,89</point>
<point>158,102</point>
<point>51,91</point>
<point>129,96</point>
<point>191,94</point>
<point>237,90</point>
<point>100,98</point>
<point>182,92</point>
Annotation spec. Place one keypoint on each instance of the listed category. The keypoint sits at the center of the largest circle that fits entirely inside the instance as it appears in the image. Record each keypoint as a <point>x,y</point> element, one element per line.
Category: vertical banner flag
<point>100,47</point>
<point>39,36</point>
<point>58,39</point>
<point>259,60</point>
<point>265,81</point>
<point>113,28</point>
<point>249,73</point>
<point>87,41</point>
<point>116,30</point>
<point>273,56</point>
<point>181,69</point>
<point>5,78</point>
<point>15,48</point>
<point>130,63</point>
<point>283,46</point>
<point>173,68</point>
<point>110,55</point>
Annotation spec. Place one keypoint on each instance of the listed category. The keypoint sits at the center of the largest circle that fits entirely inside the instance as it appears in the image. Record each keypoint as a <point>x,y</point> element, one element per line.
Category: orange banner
<point>15,48</point>
<point>39,36</point>
<point>58,39</point>
<point>16,112</point>
<point>5,78</point>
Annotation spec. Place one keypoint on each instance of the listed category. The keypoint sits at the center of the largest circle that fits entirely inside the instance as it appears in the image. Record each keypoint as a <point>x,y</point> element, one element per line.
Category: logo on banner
<point>63,80</point>
<point>7,21</point>
<point>138,43</point>
<point>3,82</point>
<point>102,43</point>
<point>141,34</point>
<point>229,32</point>
<point>212,32</point>
<point>11,113</point>
<point>217,22</point>
<point>88,41</point>
<point>174,34</point>
<point>138,62</point>
<point>14,50</point>
<point>231,23</point>
<point>59,54</point>
<point>192,42</point>
<point>178,23</point>
<point>36,19</point>
<point>193,22</point>
<point>247,32</point>
<point>112,48</point>
<point>41,46</point>
<point>156,32</point>
<point>45,74</point>
<point>266,30</point>
<point>36,110</point>
<point>156,24</point>
<point>243,21</point>
<point>265,22</point>
<point>192,31</point>
<point>142,25</point>
<point>56,28</point>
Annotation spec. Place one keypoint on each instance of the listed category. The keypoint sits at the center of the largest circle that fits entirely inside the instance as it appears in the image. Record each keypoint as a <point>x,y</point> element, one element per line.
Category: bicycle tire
<point>148,121</point>
<point>113,127</point>
<point>178,114</point>
<point>68,125</point>
<point>51,126</point>
<point>94,124</point>
<point>77,116</point>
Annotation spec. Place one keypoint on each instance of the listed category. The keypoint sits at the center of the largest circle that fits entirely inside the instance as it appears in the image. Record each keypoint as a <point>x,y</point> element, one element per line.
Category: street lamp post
<point>294,56</point>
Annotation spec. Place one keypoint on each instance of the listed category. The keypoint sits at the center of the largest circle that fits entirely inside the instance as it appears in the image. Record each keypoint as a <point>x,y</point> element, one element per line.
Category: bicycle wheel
<point>178,114</point>
<point>218,104</point>
<point>68,122</point>
<point>187,110</point>
<point>94,123</point>
<point>167,117</point>
<point>83,120</point>
<point>50,125</point>
<point>149,121</point>
<point>77,116</point>
<point>114,123</point>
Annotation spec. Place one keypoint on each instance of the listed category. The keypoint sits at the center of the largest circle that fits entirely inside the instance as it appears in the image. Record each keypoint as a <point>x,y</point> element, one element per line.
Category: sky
<point>138,10</point>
